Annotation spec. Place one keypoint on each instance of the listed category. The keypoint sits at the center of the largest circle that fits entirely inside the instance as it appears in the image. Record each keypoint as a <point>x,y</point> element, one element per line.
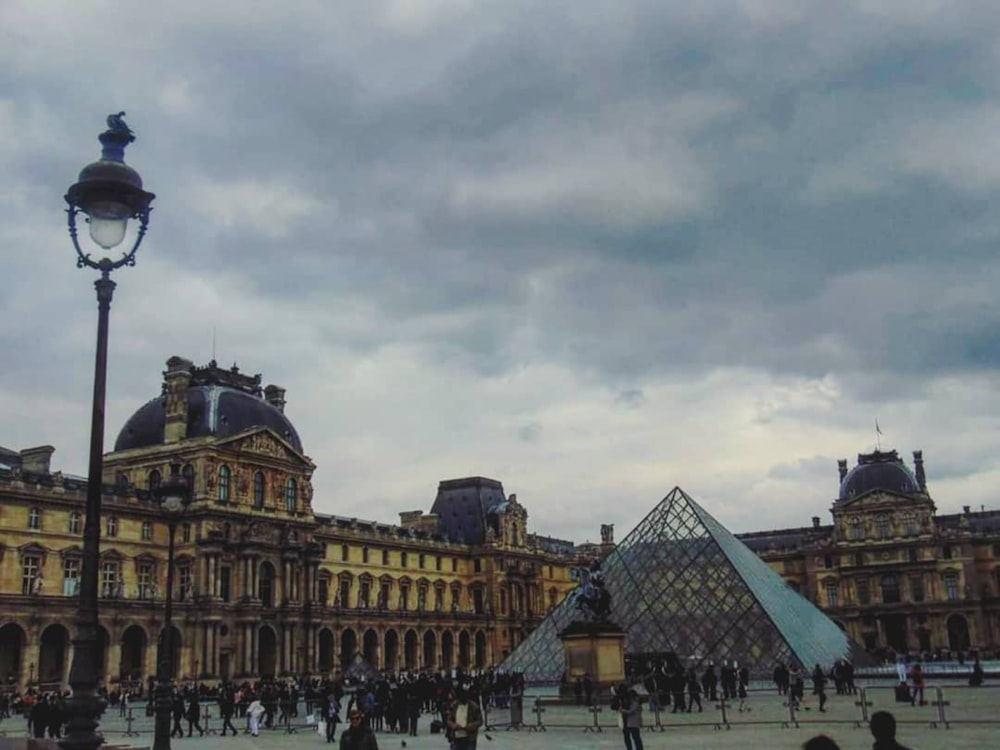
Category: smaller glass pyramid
<point>680,582</point>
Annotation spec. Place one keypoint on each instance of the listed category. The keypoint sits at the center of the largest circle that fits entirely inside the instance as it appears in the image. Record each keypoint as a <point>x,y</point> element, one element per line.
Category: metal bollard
<point>864,703</point>
<point>596,726</point>
<point>129,718</point>
<point>940,703</point>
<point>539,709</point>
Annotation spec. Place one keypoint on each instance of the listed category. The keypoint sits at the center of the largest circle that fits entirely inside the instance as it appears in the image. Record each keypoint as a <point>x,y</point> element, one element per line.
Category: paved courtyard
<point>973,715</point>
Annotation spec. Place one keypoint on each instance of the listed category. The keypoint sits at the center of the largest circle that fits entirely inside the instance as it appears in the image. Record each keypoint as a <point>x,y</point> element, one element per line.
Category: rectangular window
<point>477,565</point>
<point>35,519</point>
<point>864,592</point>
<point>946,552</point>
<point>402,559</point>
<point>324,591</point>
<point>828,562</point>
<point>437,563</point>
<point>186,533</point>
<point>363,593</point>
<point>831,594</point>
<point>404,598</point>
<point>145,580</point>
<point>109,579</point>
<point>345,593</point>
<point>422,560</point>
<point>383,596</point>
<point>859,559</point>
<point>74,523</point>
<point>951,587</point>
<point>111,527</point>
<point>917,588</point>
<point>225,583</point>
<point>364,555</point>
<point>890,589</point>
<point>477,601</point>
<point>345,553</point>
<point>454,565</point>
<point>913,554</point>
<point>385,557</point>
<point>455,599</point>
<point>31,571</point>
<point>71,576</point>
<point>550,572</point>
<point>147,530</point>
<point>185,583</point>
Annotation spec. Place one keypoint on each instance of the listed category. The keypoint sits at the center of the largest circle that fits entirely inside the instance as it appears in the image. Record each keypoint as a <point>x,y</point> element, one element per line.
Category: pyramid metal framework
<point>680,582</point>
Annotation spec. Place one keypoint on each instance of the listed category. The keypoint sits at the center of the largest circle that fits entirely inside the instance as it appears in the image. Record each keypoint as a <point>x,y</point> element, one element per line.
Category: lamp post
<point>108,193</point>
<point>174,497</point>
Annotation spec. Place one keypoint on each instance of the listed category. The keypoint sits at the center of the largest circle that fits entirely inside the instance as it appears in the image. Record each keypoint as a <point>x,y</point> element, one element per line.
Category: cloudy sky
<point>591,249</point>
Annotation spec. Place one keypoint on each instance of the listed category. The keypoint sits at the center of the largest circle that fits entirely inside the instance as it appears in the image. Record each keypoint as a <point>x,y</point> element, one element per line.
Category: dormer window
<point>258,490</point>
<point>225,483</point>
<point>291,495</point>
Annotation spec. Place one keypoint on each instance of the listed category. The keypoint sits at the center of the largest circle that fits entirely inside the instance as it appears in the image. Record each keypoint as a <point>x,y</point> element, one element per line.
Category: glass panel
<point>680,582</point>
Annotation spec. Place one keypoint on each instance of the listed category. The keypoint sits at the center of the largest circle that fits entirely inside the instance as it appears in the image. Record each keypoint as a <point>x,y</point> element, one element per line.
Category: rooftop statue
<point>593,600</point>
<point>116,124</point>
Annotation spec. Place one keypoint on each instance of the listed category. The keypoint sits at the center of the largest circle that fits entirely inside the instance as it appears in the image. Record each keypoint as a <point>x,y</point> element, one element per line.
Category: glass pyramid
<point>680,582</point>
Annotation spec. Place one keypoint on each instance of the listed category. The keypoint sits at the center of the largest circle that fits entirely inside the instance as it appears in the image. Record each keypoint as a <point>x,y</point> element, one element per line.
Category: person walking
<point>254,712</point>
<point>227,707</point>
<point>194,715</point>
<point>917,680</point>
<point>330,712</point>
<point>631,711</point>
<point>819,686</point>
<point>177,711</point>
<point>464,720</point>
<point>357,736</point>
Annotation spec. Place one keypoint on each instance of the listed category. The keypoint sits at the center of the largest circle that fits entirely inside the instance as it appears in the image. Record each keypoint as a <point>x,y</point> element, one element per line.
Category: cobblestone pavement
<point>765,722</point>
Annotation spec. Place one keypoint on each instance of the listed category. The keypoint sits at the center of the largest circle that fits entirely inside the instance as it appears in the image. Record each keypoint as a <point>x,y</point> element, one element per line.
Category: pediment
<point>876,500</point>
<point>263,441</point>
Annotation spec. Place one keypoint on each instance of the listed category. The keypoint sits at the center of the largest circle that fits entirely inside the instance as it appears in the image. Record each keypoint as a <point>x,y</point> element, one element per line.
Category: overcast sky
<point>591,249</point>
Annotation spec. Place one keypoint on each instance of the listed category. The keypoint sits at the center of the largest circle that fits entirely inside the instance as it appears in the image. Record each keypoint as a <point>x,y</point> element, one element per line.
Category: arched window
<point>225,480</point>
<point>882,528</point>
<point>291,495</point>
<point>258,490</point>
<point>155,480</point>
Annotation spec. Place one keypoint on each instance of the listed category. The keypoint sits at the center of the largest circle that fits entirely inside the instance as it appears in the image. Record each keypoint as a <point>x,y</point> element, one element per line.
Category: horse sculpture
<point>593,600</point>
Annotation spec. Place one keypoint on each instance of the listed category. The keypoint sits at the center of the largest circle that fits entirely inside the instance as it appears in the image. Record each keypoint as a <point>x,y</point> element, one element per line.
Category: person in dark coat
<point>194,715</point>
<point>357,736</point>
<point>819,686</point>
<point>177,710</point>
<point>883,729</point>
<point>227,707</point>
<point>39,716</point>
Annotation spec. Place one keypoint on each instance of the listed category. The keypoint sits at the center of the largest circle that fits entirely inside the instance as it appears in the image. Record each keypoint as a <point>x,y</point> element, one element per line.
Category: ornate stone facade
<point>895,575</point>
<point>264,585</point>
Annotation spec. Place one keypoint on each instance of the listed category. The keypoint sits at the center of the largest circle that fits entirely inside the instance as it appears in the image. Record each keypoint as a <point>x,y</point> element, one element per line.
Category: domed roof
<point>220,403</point>
<point>879,471</point>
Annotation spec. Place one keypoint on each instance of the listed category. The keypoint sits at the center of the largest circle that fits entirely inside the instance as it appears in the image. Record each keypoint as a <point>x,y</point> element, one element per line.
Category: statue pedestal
<point>594,648</point>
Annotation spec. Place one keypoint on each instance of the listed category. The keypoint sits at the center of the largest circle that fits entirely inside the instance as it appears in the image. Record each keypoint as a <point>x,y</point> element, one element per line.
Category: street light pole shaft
<point>85,706</point>
<point>165,660</point>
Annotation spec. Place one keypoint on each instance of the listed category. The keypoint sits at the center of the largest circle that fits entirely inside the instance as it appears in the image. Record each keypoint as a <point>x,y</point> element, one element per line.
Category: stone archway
<point>133,654</point>
<point>464,649</point>
<point>447,650</point>
<point>391,650</point>
<point>430,650</point>
<point>348,648</point>
<point>12,640</point>
<point>410,649</point>
<point>53,649</point>
<point>958,633</point>
<point>370,648</point>
<point>325,657</point>
<point>267,652</point>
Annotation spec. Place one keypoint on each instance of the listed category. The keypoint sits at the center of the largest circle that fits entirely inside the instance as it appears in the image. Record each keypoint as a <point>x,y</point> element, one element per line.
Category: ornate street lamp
<point>108,193</point>
<point>174,497</point>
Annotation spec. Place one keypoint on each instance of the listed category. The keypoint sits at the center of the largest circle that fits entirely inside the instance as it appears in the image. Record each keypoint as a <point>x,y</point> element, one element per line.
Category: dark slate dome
<point>879,471</point>
<point>220,403</point>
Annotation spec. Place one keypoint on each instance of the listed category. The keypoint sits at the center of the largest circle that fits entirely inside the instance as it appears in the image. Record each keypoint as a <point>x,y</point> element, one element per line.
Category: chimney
<point>842,468</point>
<point>176,380</point>
<point>815,522</point>
<point>275,396</point>
<point>37,460</point>
<point>918,463</point>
